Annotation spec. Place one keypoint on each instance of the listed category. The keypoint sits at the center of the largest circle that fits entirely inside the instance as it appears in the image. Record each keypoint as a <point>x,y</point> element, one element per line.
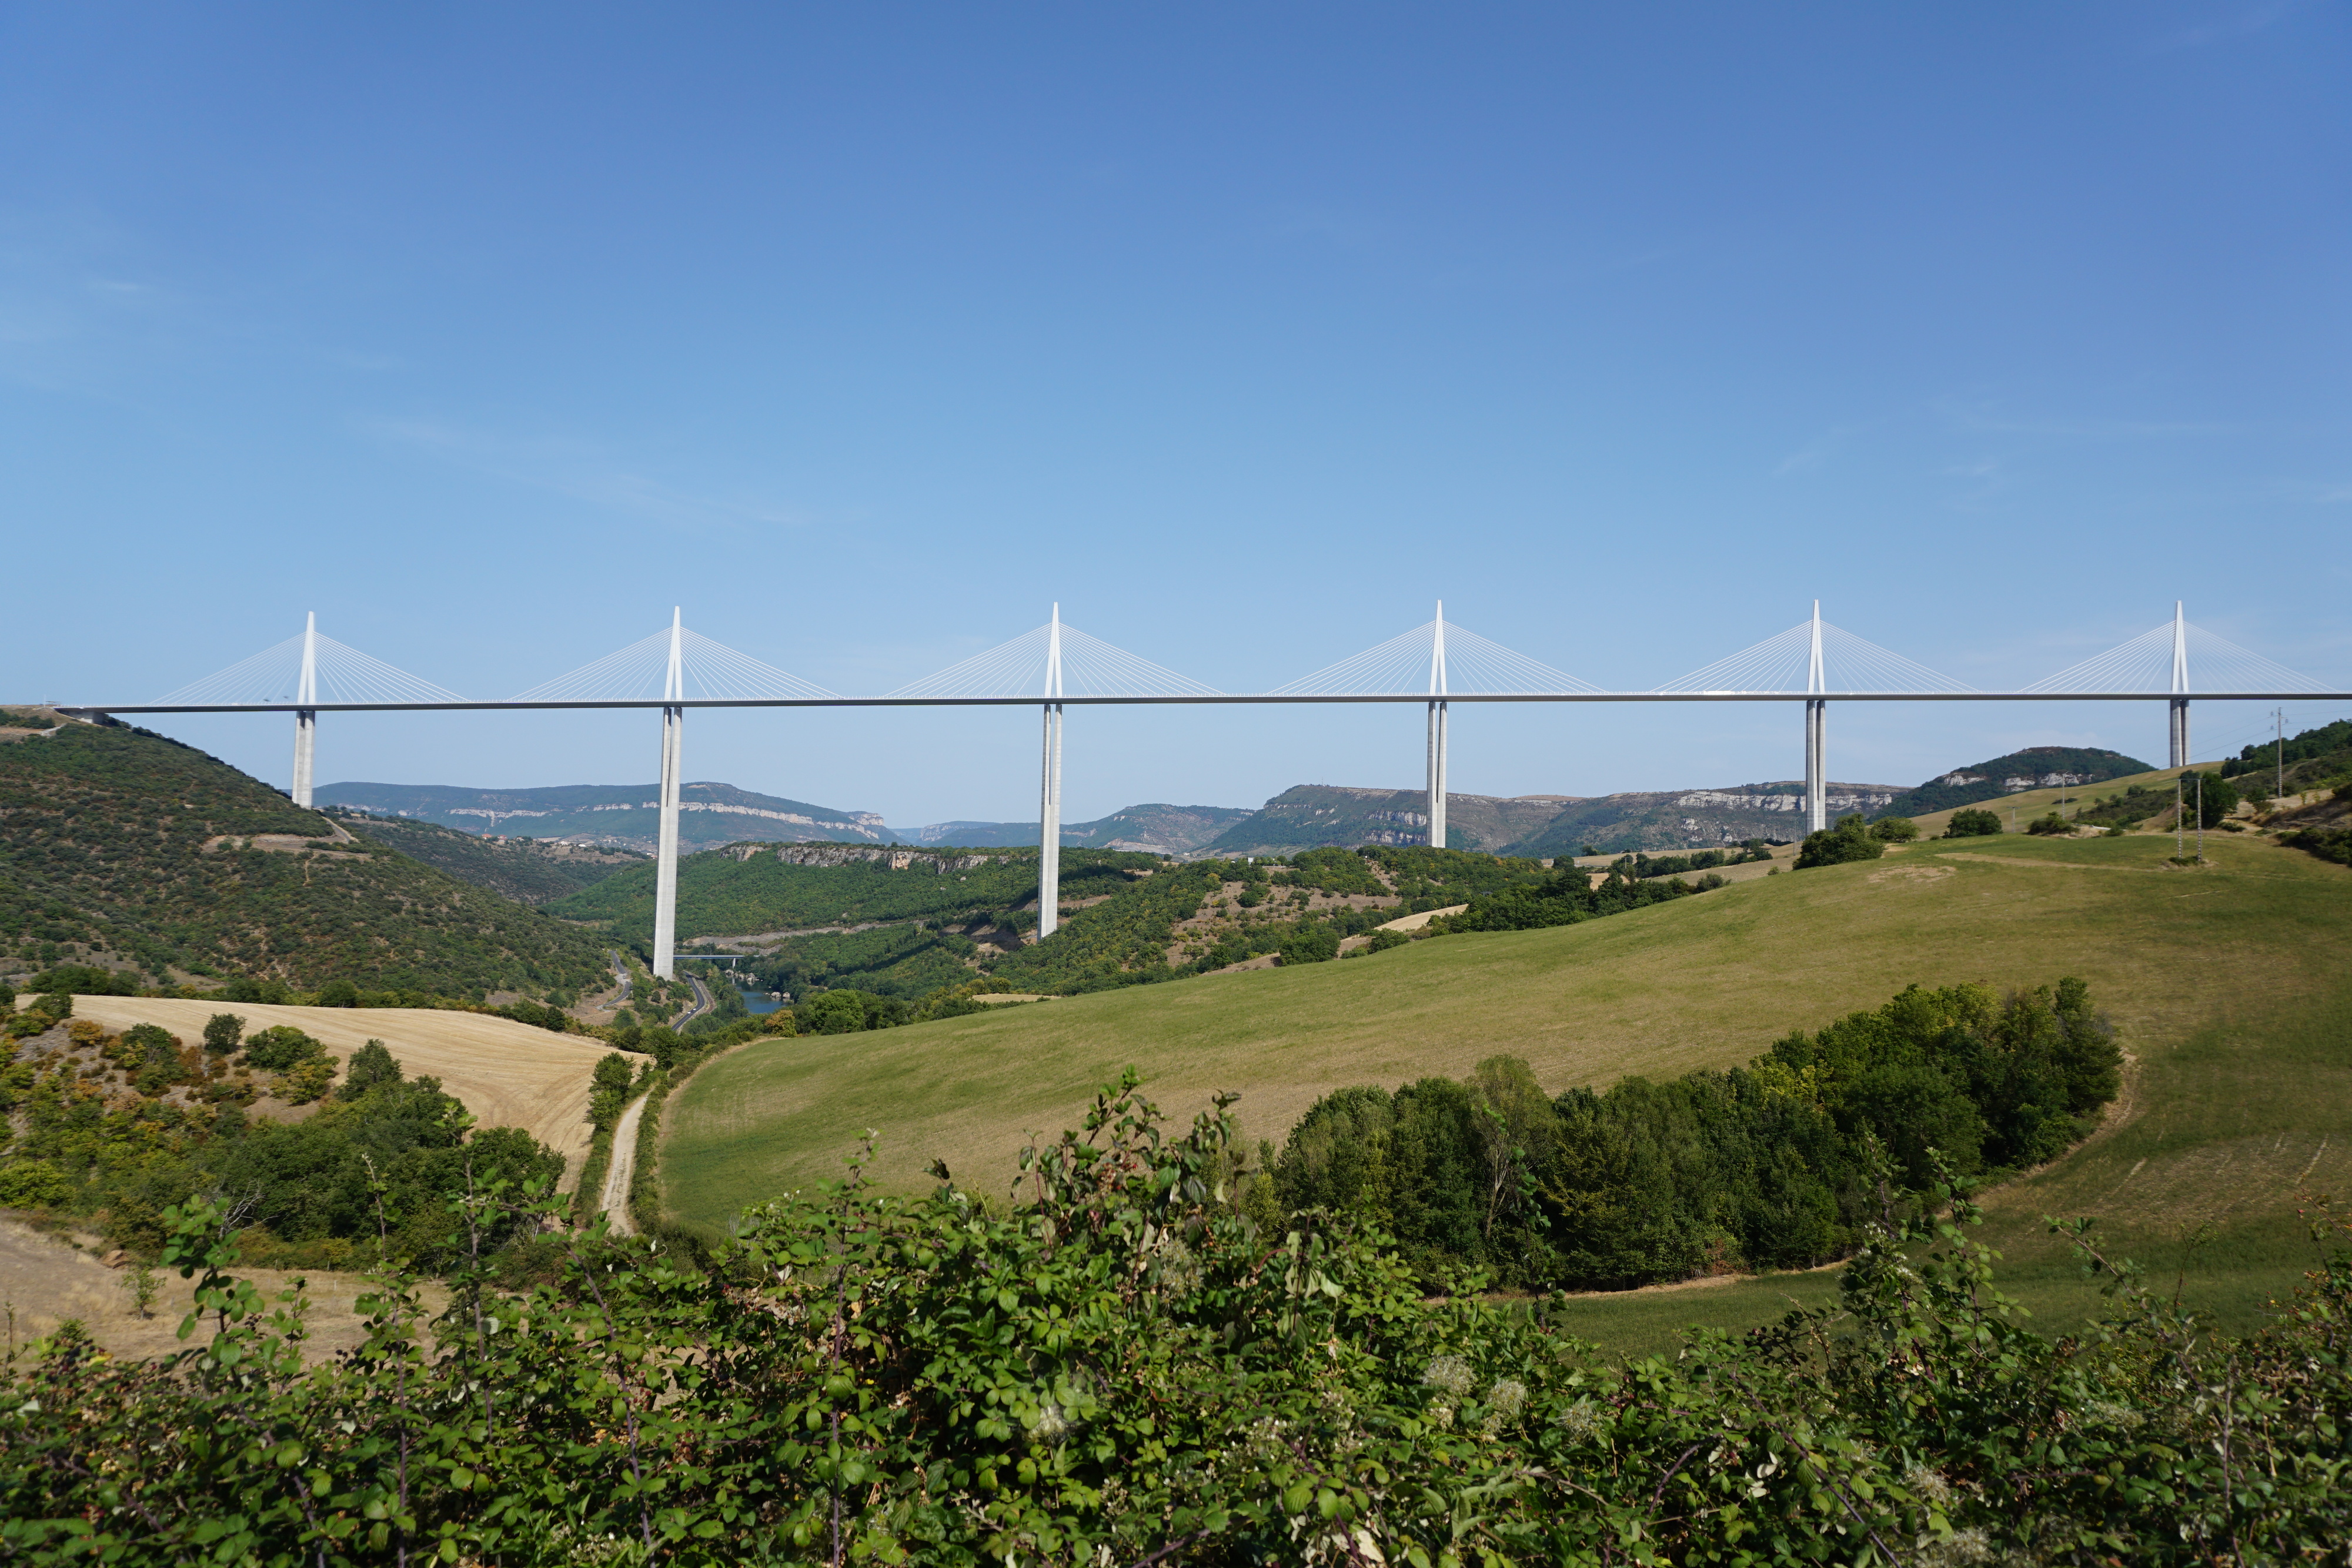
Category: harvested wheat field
<point>506,1073</point>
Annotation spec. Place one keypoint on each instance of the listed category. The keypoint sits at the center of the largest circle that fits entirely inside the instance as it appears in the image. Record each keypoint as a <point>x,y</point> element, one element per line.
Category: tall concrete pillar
<point>1817,724</point>
<point>1817,789</point>
<point>1436,758</point>
<point>1049,800</point>
<point>665,862</point>
<point>306,720</point>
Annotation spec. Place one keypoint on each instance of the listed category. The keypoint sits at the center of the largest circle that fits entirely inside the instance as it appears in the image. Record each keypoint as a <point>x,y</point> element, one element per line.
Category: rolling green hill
<point>2231,987</point>
<point>1153,828</point>
<point>529,870</point>
<point>125,848</point>
<point>2035,767</point>
<point>750,888</point>
<point>626,815</point>
<point>1335,816</point>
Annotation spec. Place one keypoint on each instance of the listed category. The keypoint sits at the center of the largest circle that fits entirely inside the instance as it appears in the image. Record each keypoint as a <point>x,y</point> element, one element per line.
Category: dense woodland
<point>123,843</point>
<point>529,870</point>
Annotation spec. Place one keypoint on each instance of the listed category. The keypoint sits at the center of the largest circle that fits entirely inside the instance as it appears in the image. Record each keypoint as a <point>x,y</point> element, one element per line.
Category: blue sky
<point>489,333</point>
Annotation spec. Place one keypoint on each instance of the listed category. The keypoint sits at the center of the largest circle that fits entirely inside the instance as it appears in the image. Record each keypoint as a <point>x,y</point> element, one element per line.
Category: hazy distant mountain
<point>1320,816</point>
<point>2035,767</point>
<point>1154,829</point>
<point>1695,819</point>
<point>626,815</point>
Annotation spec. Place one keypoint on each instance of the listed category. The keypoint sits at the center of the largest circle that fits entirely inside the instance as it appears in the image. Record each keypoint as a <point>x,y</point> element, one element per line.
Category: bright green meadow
<point>2230,986</point>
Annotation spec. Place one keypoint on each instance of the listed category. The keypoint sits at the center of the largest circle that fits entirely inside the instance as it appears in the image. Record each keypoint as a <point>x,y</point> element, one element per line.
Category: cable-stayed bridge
<point>1436,663</point>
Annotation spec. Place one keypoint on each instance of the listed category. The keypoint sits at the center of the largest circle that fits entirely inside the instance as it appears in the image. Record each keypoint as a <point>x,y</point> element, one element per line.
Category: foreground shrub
<point>1119,1368</point>
<point>1849,841</point>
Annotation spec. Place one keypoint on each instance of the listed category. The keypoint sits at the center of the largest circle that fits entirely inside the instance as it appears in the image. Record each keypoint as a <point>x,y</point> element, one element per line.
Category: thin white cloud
<point>581,470</point>
<point>2237,25</point>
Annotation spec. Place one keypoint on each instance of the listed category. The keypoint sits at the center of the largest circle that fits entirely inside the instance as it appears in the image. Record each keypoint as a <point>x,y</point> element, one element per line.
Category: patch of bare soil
<point>45,1279</point>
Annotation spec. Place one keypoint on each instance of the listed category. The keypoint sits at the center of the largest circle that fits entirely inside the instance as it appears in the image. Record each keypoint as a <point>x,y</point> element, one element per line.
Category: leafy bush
<point>83,979</point>
<point>222,1031</point>
<point>277,1048</point>
<point>2050,826</point>
<point>32,1184</point>
<point>1973,823</point>
<point>1120,1366</point>
<point>846,1012</point>
<point>1894,830</point>
<point>1850,839</point>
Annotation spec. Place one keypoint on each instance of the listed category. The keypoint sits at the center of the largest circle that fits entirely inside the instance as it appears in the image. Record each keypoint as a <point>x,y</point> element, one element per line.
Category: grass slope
<point>122,846</point>
<point>2230,985</point>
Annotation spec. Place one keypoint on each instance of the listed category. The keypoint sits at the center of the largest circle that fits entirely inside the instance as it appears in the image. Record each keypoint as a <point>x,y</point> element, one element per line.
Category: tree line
<point>1769,1165</point>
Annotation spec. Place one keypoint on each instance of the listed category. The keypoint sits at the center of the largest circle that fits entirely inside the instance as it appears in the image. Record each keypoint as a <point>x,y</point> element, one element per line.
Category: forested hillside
<point>529,870</point>
<point>1338,816</point>
<point>2035,767</point>
<point>1635,821</point>
<point>1154,829</point>
<point>119,846</point>
<point>624,815</point>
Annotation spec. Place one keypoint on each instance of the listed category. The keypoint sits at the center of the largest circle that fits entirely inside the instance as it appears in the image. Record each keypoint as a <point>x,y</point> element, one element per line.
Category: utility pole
<point>1817,724</point>
<point>2179,687</point>
<point>2200,819</point>
<point>306,719</point>
<point>2278,716</point>
<point>1437,733</point>
<point>1049,805</point>
<point>2179,844</point>
<point>666,867</point>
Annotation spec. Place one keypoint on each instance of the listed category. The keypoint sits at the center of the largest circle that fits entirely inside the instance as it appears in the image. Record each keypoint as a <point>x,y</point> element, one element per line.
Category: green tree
<point>1894,830</point>
<point>831,1012</point>
<point>276,1049</point>
<point>1973,822</point>
<point>338,994</point>
<point>1849,841</point>
<point>370,1064</point>
<point>2214,802</point>
<point>222,1031</point>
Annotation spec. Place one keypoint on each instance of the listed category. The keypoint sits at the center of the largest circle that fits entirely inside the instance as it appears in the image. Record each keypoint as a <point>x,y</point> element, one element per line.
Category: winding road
<point>622,1169</point>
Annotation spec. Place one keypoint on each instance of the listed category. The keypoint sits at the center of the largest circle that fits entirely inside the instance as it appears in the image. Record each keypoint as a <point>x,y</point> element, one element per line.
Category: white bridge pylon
<point>307,668</point>
<point>1441,660</point>
<point>2159,660</point>
<point>1817,659</point>
<point>672,665</point>
<point>1051,662</point>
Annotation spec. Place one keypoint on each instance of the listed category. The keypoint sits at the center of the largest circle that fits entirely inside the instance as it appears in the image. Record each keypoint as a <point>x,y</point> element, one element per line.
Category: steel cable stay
<point>1089,667</point>
<point>709,670</point>
<point>2144,665</point>
<point>1473,666</point>
<point>343,674</point>
<point>1780,663</point>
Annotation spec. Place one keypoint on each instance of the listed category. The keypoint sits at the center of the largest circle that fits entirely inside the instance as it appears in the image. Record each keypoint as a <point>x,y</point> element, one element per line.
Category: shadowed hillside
<point>128,849</point>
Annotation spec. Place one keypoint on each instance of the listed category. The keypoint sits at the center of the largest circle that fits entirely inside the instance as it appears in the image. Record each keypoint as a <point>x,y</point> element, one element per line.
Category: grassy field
<point>506,1073</point>
<point>2230,985</point>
